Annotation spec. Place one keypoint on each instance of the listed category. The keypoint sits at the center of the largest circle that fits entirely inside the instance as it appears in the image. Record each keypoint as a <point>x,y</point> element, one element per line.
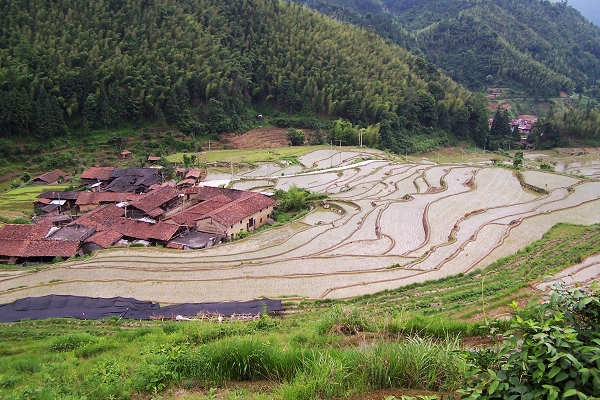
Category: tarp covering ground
<point>66,306</point>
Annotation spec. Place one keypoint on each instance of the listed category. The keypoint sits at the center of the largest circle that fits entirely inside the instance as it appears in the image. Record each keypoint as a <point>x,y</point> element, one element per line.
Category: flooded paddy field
<point>390,223</point>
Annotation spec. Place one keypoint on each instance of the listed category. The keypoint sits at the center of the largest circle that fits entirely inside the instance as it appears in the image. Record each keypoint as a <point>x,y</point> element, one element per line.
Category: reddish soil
<point>261,138</point>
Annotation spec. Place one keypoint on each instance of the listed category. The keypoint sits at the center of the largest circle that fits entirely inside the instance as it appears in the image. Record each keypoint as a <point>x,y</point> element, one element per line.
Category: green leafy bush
<point>551,351</point>
<point>71,342</point>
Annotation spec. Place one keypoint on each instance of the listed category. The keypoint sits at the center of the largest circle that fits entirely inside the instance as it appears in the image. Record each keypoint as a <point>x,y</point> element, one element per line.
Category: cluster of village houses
<point>523,125</point>
<point>127,206</point>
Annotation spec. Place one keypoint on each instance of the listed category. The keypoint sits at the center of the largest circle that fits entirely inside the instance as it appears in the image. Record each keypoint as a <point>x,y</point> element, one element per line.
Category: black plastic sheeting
<point>64,306</point>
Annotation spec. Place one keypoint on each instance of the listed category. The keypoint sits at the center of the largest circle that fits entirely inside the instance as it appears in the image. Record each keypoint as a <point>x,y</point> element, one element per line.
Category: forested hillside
<point>539,47</point>
<point>200,64</point>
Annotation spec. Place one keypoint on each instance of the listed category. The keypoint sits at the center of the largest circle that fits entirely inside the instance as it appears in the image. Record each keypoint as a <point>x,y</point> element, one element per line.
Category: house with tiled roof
<point>224,211</point>
<point>132,229</point>
<point>50,178</point>
<point>155,203</point>
<point>89,200</point>
<point>243,215</point>
<point>96,175</point>
<point>134,180</point>
<point>193,173</point>
<point>28,243</point>
<point>50,201</point>
<point>98,216</point>
<point>100,240</point>
<point>190,215</point>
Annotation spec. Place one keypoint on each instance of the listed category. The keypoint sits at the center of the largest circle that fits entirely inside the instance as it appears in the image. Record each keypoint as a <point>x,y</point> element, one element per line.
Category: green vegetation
<point>537,48</point>
<point>551,351</point>
<point>21,199</point>
<point>403,338</point>
<point>203,66</point>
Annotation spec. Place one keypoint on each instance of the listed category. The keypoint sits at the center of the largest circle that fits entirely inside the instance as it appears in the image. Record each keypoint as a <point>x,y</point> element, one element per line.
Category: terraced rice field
<point>389,225</point>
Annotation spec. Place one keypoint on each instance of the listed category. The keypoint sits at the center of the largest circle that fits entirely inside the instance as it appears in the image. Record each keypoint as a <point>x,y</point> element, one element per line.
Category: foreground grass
<point>405,338</point>
<point>116,359</point>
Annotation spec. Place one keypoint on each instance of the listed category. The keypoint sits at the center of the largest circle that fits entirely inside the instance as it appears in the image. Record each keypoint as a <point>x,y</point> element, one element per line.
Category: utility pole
<point>340,151</point>
<point>231,164</point>
<point>331,158</point>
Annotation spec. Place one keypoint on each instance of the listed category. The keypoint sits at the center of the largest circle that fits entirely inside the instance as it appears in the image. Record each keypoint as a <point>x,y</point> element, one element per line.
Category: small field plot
<point>21,199</point>
<point>252,184</point>
<point>374,247</point>
<point>267,169</point>
<point>311,159</point>
<point>404,223</point>
<point>307,181</point>
<point>548,181</point>
<point>434,176</point>
<point>488,238</point>
<point>321,216</point>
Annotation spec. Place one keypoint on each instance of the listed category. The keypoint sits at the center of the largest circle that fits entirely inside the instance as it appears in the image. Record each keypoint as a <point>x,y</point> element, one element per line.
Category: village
<point>131,207</point>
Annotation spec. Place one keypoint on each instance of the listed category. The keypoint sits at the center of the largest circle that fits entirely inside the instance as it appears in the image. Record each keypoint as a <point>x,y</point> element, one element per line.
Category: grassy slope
<point>115,357</point>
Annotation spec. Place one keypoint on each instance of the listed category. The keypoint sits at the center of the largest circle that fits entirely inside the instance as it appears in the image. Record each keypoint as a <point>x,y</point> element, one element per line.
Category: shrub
<point>551,351</point>
<point>71,342</point>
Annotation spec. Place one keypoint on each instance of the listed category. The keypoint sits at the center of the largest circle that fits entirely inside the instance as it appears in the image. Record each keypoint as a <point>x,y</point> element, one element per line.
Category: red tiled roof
<point>52,248</point>
<point>43,201</point>
<point>189,182</point>
<point>99,216</point>
<point>130,227</point>
<point>153,158</point>
<point>238,210</point>
<point>125,152</point>
<point>194,173</point>
<point>105,238</point>
<point>23,232</point>
<point>51,176</point>
<point>194,213</point>
<point>13,248</point>
<point>38,248</point>
<point>151,201</point>
<point>99,173</point>
<point>156,212</point>
<point>172,245</point>
<point>163,231</point>
<point>105,197</point>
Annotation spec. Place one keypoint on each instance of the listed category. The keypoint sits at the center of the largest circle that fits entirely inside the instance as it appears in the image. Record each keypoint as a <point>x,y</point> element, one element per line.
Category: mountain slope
<point>536,46</point>
<point>200,63</point>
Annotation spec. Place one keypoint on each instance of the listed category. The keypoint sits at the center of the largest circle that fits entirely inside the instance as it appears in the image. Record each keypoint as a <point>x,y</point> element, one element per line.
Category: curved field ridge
<point>389,225</point>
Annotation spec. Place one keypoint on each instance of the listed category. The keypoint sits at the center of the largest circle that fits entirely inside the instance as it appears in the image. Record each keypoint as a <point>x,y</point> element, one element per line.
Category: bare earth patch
<point>261,138</point>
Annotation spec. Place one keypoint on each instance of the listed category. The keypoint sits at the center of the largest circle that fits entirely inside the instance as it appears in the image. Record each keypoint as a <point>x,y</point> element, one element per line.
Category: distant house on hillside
<point>51,178</point>
<point>124,155</point>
